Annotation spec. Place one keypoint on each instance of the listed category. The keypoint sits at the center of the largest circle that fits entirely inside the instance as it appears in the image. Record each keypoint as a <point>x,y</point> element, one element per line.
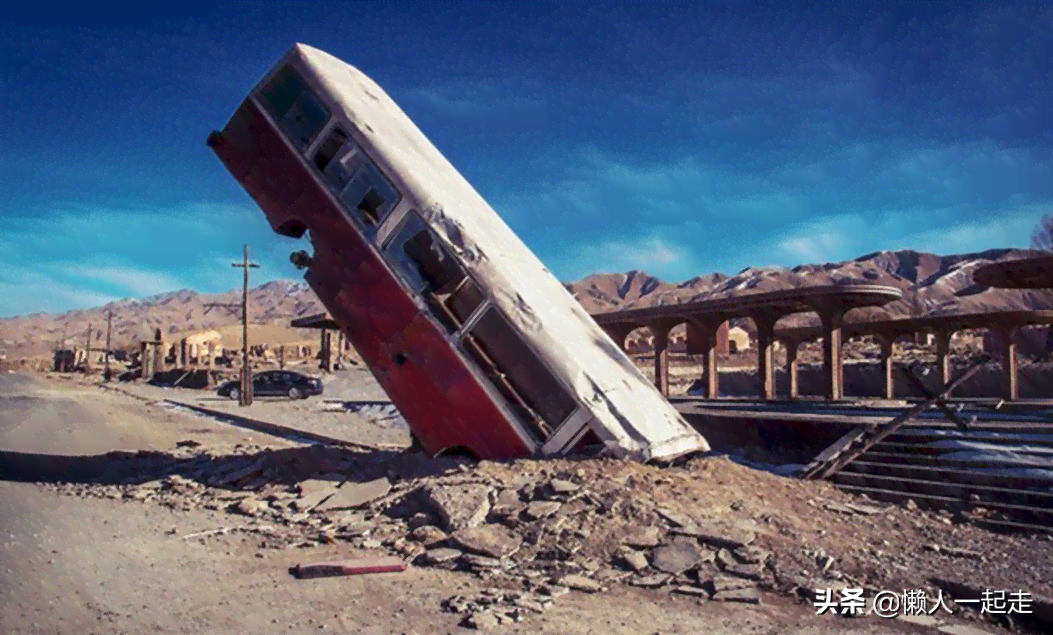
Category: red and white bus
<point>479,346</point>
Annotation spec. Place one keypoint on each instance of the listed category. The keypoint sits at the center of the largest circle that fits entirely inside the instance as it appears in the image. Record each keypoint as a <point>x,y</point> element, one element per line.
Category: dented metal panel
<point>624,410</point>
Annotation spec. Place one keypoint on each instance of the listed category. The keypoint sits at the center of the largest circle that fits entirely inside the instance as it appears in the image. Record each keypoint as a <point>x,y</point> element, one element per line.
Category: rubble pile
<point>709,528</point>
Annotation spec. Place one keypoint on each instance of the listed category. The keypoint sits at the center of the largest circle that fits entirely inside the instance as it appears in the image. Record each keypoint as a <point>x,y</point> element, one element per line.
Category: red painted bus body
<point>458,345</point>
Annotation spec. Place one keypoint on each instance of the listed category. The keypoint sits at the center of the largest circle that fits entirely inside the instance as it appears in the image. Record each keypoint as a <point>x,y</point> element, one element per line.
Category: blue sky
<point>680,139</point>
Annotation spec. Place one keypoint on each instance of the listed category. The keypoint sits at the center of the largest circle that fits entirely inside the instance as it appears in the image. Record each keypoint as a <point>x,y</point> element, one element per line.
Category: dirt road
<point>97,565</point>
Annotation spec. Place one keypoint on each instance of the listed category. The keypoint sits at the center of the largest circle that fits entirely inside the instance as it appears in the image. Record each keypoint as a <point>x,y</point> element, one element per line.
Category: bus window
<point>299,113</point>
<point>369,196</point>
<point>432,271</point>
<point>518,372</point>
<point>329,149</point>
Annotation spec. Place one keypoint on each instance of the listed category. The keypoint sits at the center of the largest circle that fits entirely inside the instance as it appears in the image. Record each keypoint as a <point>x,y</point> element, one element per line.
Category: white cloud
<point>653,254</point>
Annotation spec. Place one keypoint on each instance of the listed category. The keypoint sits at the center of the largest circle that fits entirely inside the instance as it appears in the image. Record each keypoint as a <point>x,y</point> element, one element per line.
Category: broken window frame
<point>460,330</point>
<point>278,102</point>
<point>351,175</point>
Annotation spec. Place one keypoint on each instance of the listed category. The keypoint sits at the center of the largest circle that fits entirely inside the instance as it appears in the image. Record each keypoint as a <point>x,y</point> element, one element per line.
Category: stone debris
<point>580,583</point>
<point>494,541</point>
<point>459,506</point>
<point>534,529</point>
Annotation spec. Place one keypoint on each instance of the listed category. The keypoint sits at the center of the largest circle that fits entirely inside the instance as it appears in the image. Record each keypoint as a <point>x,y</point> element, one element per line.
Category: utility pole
<point>109,328</point>
<point>87,351</point>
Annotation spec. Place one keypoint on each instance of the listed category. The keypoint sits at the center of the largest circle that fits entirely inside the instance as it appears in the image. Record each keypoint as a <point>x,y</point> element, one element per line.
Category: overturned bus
<point>479,346</point>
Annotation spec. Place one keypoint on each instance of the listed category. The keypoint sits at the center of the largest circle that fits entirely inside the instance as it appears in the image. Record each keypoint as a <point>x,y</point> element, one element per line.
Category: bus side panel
<point>438,396</point>
<point>436,372</point>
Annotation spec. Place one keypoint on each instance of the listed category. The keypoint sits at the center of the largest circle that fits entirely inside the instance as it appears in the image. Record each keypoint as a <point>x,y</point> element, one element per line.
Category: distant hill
<point>931,284</point>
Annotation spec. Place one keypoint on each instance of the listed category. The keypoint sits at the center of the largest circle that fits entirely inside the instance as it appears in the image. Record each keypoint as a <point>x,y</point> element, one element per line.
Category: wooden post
<point>87,351</point>
<point>281,357</point>
<point>109,328</point>
<point>245,396</point>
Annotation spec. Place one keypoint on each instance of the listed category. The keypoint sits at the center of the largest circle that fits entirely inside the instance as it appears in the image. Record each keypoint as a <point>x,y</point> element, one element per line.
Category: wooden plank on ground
<point>359,566</point>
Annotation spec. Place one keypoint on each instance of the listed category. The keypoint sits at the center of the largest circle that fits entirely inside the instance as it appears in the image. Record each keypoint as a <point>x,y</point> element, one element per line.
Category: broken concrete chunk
<point>651,581</point>
<point>459,506</point>
<point>541,509</point>
<point>482,562</point>
<point>354,495</point>
<point>677,557</point>
<point>562,487</point>
<point>746,596</point>
<point>644,538</point>
<point>718,533</point>
<point>489,540</point>
<point>677,519</point>
<point>250,507</point>
<point>688,590</point>
<point>580,583</point>
<point>420,519</point>
<point>752,555</point>
<point>428,535</point>
<point>727,583</point>
<point>507,498</point>
<point>634,559</point>
<point>484,620</point>
<point>747,571</point>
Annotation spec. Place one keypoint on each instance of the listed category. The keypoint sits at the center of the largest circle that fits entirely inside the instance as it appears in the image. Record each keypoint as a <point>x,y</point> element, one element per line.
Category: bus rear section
<point>420,286</point>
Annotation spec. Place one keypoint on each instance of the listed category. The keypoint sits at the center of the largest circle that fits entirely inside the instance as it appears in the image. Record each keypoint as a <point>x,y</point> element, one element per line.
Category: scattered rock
<point>561,487</point>
<point>428,535</point>
<point>459,506</point>
<point>420,519</point>
<point>745,595</point>
<point>719,533</point>
<point>634,559</point>
<point>722,583</point>
<point>250,507</point>
<point>483,620</point>
<point>494,541</point>
<point>688,590</point>
<point>541,509</point>
<point>580,583</point>
<point>954,552</point>
<point>354,495</point>
<point>752,555</point>
<point>676,557</point>
<point>644,538</point>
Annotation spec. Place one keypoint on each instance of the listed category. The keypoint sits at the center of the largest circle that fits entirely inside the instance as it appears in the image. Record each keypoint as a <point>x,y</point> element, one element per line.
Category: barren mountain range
<point>932,284</point>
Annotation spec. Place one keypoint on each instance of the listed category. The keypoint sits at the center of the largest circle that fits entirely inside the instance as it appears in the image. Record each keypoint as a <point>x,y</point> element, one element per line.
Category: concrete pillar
<point>327,351</point>
<point>159,358</point>
<point>888,378</point>
<point>1007,338</point>
<point>766,356</point>
<point>661,358</point>
<point>702,340</point>
<point>182,353</point>
<point>792,366</point>
<point>340,348</point>
<point>833,371</point>
<point>943,356</point>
